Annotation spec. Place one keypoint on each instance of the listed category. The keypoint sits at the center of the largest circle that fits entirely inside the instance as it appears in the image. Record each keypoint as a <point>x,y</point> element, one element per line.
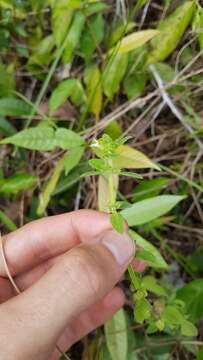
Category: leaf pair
<point>44,138</point>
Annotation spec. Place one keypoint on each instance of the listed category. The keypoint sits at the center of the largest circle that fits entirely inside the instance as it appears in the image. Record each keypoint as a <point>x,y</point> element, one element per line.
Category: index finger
<point>42,239</point>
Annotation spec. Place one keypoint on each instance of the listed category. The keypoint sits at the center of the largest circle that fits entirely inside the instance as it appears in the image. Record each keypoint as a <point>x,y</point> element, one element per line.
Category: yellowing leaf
<point>135,40</point>
<point>94,89</point>
<point>103,192</point>
<point>170,32</point>
<point>50,187</point>
<point>130,158</point>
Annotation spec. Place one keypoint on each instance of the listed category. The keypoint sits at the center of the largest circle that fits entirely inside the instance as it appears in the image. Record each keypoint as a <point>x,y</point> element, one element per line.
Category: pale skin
<point>67,267</point>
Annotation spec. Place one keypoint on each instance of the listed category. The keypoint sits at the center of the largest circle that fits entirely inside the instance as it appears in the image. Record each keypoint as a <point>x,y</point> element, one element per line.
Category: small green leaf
<point>73,158</point>
<point>135,40</point>
<point>67,88</point>
<point>157,261</point>
<point>116,336</point>
<point>94,89</point>
<point>192,295</point>
<point>117,222</point>
<point>6,128</point>
<point>142,310</point>
<point>17,183</point>
<point>111,76</point>
<point>67,139</point>
<point>50,187</point>
<point>150,284</point>
<point>149,209</point>
<point>99,165</point>
<point>8,223</point>
<point>73,37</point>
<point>188,329</point>
<point>14,107</point>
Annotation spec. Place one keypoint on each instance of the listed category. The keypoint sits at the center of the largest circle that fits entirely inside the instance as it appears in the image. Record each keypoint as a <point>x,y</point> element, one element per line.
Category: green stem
<point>112,193</point>
<point>134,278</point>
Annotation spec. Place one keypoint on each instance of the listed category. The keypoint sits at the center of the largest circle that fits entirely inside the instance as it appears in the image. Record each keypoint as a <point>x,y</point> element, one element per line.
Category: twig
<point>172,106</point>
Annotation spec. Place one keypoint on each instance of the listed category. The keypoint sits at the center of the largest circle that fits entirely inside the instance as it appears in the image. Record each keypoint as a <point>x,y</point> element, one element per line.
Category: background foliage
<point>71,70</point>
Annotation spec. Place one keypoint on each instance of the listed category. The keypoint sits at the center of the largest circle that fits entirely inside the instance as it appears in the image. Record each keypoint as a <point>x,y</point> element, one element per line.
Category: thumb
<point>79,279</point>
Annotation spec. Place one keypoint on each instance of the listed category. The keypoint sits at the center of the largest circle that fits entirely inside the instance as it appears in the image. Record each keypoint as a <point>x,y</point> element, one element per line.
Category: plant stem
<point>134,278</point>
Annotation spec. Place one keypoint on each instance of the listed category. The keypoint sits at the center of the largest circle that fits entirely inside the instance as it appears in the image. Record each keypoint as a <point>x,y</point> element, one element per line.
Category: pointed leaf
<point>135,40</point>
<point>14,107</point>
<point>50,187</point>
<point>118,222</point>
<point>157,261</point>
<point>131,158</point>
<point>170,32</point>
<point>73,158</point>
<point>111,76</point>
<point>17,183</point>
<point>150,209</point>
<point>116,336</point>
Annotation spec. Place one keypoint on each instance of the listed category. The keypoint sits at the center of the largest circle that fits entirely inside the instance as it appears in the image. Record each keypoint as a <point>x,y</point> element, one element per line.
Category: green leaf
<point>73,158</point>
<point>42,51</point>
<point>67,88</point>
<point>61,20</point>
<point>147,210</point>
<point>14,107</point>
<point>37,138</point>
<point>94,89</point>
<point>200,354</point>
<point>6,128</point>
<point>99,165</point>
<point>192,295</point>
<point>17,183</point>
<point>92,36</point>
<point>117,222</point>
<point>44,138</point>
<point>7,82</point>
<point>116,336</point>
<point>50,187</point>
<point>131,174</point>
<point>188,329</point>
<point>8,223</point>
<point>95,7</point>
<point>149,188</point>
<point>198,25</point>
<point>150,284</point>
<point>170,32</point>
<point>111,76</point>
<point>127,157</point>
<point>73,37</point>
<point>157,262</point>
<point>134,85</point>
<point>135,40</point>
<point>142,310</point>
<point>67,139</point>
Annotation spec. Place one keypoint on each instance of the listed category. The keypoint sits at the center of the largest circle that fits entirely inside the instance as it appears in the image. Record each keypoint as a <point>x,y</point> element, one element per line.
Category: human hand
<point>66,266</point>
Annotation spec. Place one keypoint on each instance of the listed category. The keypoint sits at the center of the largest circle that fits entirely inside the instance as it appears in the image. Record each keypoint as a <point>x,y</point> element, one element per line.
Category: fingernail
<point>121,246</point>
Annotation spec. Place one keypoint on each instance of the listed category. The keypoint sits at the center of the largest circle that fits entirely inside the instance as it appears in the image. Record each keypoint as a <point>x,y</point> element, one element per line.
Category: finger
<point>81,278</point>
<point>48,237</point>
<point>139,265</point>
<point>91,319</point>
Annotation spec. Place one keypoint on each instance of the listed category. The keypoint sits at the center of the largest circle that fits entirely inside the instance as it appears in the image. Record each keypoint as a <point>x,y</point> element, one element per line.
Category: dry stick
<point>172,106</point>
<point>16,288</point>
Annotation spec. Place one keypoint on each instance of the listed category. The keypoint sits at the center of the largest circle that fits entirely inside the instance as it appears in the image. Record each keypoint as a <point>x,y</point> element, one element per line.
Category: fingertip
<point>139,265</point>
<point>115,299</point>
